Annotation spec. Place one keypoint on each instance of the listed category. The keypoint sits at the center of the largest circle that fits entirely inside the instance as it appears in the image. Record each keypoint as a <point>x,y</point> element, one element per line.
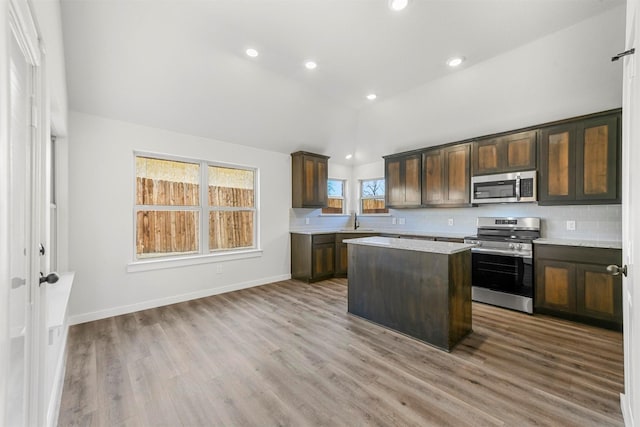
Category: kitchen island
<point>419,288</point>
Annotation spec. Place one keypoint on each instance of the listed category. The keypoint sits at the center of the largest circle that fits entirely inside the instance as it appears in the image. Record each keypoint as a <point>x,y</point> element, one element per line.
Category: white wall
<point>565,74</point>
<point>101,198</point>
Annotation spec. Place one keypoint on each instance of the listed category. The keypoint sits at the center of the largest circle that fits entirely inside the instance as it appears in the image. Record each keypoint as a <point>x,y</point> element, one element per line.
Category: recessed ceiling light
<point>348,156</point>
<point>398,4</point>
<point>372,96</point>
<point>310,65</point>
<point>251,52</point>
<point>455,61</point>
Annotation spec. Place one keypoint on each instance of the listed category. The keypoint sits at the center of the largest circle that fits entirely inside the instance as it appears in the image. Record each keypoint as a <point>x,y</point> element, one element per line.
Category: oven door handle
<point>501,252</point>
<point>518,187</point>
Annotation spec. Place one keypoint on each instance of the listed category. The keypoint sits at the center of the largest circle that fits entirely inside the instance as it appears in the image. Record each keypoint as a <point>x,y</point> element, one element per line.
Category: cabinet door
<point>323,259</point>
<point>485,156</point>
<point>456,170</point>
<point>342,259</point>
<point>599,294</point>
<point>315,177</point>
<point>557,164</point>
<point>393,181</point>
<point>518,152</point>
<point>555,285</point>
<point>412,180</point>
<point>433,177</point>
<point>597,159</point>
<point>403,181</point>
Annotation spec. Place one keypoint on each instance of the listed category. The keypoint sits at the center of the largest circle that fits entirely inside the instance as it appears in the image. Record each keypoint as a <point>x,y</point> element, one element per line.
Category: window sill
<point>157,264</point>
<point>378,214</point>
<point>324,214</point>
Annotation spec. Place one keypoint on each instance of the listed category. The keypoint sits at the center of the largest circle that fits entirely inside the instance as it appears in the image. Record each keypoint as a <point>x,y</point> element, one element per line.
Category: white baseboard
<point>625,406</point>
<point>132,308</point>
<point>53,409</point>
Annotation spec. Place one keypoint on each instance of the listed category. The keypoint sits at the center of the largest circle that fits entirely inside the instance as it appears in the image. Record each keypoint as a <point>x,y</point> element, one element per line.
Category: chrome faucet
<point>355,221</point>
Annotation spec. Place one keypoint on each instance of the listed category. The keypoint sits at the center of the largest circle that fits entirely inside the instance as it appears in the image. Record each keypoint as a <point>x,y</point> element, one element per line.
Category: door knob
<point>615,270</point>
<point>49,278</point>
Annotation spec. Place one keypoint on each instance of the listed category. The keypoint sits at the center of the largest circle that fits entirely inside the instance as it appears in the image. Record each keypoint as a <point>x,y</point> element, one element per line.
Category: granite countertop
<point>341,230</point>
<point>446,248</point>
<point>583,243</point>
<point>382,231</point>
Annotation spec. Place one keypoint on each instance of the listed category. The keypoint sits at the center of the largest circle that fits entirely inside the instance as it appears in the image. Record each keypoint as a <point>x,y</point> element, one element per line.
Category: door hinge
<point>623,54</point>
<point>34,116</point>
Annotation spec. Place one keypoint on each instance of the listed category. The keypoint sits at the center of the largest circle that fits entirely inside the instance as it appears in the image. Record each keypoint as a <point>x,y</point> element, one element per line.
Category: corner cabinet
<point>445,176</point>
<point>506,153</point>
<point>309,175</point>
<point>573,282</point>
<point>580,161</point>
<point>403,180</point>
<point>342,258</point>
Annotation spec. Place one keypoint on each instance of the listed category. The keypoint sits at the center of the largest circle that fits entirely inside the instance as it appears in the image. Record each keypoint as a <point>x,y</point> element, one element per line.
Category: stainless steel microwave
<point>515,187</point>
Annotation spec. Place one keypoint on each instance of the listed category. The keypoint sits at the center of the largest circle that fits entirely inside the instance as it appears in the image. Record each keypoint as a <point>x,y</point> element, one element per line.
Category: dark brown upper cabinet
<point>403,180</point>
<point>580,161</point>
<point>309,174</point>
<point>506,153</point>
<point>445,176</point>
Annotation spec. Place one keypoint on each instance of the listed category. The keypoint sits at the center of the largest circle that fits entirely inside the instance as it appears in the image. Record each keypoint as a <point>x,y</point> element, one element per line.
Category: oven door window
<point>495,190</point>
<point>510,274</point>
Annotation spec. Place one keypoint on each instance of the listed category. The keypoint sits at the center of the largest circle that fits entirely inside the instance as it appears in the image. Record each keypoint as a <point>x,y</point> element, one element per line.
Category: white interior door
<point>20,217</point>
<point>630,214</point>
<point>22,358</point>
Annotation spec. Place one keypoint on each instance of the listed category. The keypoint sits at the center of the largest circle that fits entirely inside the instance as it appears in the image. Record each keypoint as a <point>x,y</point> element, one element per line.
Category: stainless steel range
<point>502,262</point>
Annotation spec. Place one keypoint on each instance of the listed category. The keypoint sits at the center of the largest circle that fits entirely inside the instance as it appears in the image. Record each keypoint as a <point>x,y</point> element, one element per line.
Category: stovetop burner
<point>506,234</point>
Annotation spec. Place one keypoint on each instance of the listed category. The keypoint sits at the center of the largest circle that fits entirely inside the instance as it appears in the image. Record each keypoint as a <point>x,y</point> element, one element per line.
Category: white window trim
<point>187,260</point>
<point>343,198</point>
<point>204,255</point>
<point>360,198</point>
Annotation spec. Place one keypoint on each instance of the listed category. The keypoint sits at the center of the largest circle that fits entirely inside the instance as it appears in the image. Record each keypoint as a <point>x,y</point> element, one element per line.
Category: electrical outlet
<point>394,220</point>
<point>571,225</point>
<point>450,221</point>
<point>306,221</point>
<point>401,221</point>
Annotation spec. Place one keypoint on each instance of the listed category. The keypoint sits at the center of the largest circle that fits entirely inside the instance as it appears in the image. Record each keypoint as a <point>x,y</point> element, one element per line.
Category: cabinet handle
<point>615,270</point>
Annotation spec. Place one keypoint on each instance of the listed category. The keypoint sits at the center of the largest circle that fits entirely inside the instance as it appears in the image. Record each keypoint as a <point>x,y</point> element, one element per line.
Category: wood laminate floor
<point>288,353</point>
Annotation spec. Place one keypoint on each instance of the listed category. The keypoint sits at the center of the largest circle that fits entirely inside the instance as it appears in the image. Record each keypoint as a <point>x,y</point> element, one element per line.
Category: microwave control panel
<point>526,187</point>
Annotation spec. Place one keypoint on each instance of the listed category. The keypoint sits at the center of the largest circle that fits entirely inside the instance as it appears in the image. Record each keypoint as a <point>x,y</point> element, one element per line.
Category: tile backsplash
<point>592,222</point>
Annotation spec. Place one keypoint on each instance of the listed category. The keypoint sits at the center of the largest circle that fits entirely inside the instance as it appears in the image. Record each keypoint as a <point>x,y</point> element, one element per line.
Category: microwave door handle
<point>518,187</point>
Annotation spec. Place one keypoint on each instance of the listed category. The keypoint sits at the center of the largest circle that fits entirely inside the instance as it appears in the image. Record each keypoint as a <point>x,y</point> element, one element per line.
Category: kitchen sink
<point>357,231</point>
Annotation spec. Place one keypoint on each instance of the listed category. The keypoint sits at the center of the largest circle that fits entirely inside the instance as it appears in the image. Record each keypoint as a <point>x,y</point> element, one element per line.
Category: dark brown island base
<point>419,288</point>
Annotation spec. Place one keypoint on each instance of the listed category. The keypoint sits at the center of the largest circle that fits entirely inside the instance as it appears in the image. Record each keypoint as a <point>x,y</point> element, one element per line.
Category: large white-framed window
<point>336,200</point>
<point>177,217</point>
<point>372,197</point>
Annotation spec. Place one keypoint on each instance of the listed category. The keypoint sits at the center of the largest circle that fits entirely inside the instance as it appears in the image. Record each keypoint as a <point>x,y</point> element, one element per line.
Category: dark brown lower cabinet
<point>573,282</point>
<point>342,258</point>
<point>312,256</point>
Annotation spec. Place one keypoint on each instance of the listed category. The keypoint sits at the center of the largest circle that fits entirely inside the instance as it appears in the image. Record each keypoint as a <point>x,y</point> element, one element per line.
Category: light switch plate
<point>394,221</point>
<point>571,225</point>
<point>401,221</point>
<point>306,221</point>
<point>450,221</point>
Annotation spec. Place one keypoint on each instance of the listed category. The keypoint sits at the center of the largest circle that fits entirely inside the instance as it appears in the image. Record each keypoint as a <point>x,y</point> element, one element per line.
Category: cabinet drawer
<point>324,238</point>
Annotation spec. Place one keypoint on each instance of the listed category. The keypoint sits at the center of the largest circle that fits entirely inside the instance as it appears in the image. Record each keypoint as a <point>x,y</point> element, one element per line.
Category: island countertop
<point>445,248</point>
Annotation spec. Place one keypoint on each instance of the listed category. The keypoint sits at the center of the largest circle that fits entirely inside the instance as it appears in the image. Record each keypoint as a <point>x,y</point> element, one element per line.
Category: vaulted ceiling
<point>181,64</point>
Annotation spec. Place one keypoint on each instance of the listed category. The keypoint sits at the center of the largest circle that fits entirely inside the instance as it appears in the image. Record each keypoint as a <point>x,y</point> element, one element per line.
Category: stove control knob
<point>519,246</point>
<point>511,246</point>
<point>477,242</point>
